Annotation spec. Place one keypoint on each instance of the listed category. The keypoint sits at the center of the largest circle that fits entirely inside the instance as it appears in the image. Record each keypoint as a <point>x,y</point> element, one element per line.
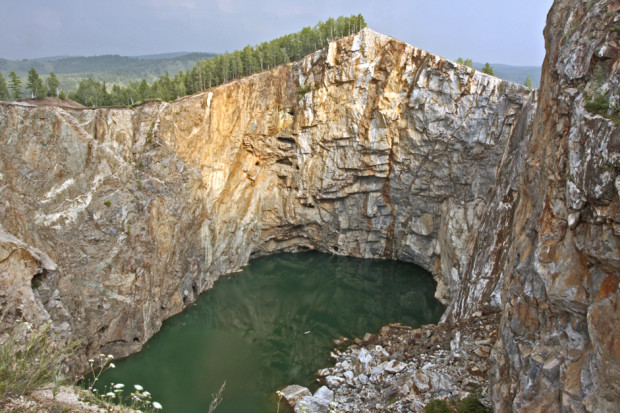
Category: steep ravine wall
<point>115,219</point>
<point>371,148</point>
<point>549,250</point>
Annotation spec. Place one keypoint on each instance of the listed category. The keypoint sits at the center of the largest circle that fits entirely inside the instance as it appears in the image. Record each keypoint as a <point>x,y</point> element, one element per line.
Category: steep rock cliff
<point>370,147</point>
<point>549,251</point>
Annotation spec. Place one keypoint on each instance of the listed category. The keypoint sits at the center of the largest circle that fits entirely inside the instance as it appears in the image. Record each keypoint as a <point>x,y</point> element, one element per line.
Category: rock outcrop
<point>371,148</point>
<point>114,219</point>
<point>549,251</point>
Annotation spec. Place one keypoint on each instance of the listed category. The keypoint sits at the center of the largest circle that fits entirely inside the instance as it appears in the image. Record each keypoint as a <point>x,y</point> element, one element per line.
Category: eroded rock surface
<point>556,268</point>
<point>401,369</point>
<point>370,148</point>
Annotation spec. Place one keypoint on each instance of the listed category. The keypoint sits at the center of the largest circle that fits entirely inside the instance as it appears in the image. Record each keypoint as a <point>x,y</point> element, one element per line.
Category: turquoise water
<point>272,325</point>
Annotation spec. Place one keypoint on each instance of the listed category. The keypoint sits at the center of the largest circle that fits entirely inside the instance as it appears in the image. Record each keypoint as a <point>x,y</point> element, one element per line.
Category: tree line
<point>204,74</point>
<point>37,87</point>
<point>488,69</point>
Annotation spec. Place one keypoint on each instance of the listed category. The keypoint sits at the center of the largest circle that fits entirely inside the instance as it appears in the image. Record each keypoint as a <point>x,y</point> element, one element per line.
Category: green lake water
<point>271,325</point>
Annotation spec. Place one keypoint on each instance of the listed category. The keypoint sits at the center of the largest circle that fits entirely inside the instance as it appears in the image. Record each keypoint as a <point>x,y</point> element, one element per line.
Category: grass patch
<point>30,358</point>
<point>138,399</point>
<point>600,105</point>
<point>470,404</point>
<point>302,90</point>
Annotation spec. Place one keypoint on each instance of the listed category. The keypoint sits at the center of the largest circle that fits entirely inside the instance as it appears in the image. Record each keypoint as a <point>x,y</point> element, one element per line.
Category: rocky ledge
<point>402,369</point>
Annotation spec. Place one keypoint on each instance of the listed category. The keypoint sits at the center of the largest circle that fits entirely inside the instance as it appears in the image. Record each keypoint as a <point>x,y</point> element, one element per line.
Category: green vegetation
<point>601,105</point>
<point>38,87</point>
<point>466,62</point>
<point>91,93</point>
<point>31,358</point>
<point>113,80</point>
<point>204,74</point>
<point>35,84</point>
<point>15,84</point>
<point>88,76</point>
<point>438,406</point>
<point>139,399</point>
<point>488,69</point>
<point>528,82</point>
<point>470,404</point>
<point>4,89</point>
<point>302,90</point>
<point>52,84</point>
<point>267,55</point>
<point>113,69</point>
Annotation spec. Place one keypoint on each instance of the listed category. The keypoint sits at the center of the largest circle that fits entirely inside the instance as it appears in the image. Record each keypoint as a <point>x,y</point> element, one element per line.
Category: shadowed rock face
<point>549,249</point>
<point>370,148</point>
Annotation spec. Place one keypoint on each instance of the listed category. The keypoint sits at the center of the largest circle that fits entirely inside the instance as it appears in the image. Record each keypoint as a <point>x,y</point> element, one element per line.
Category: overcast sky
<point>497,31</point>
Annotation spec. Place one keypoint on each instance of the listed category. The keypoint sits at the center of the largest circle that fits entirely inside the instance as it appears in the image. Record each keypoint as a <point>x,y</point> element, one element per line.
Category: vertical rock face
<point>371,148</point>
<point>549,250</point>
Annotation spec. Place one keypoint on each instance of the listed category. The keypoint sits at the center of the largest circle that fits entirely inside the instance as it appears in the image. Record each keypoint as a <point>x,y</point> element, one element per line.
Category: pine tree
<point>488,69</point>
<point>459,60</point>
<point>528,82</point>
<point>4,89</point>
<point>469,63</point>
<point>53,85</point>
<point>90,93</point>
<point>15,85</point>
<point>222,68</point>
<point>34,84</point>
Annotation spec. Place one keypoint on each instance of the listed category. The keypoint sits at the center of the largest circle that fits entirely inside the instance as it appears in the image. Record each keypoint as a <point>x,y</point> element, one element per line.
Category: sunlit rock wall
<point>370,147</point>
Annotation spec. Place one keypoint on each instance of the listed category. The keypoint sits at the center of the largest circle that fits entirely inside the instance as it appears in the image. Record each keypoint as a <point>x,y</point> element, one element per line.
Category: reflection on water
<point>272,325</point>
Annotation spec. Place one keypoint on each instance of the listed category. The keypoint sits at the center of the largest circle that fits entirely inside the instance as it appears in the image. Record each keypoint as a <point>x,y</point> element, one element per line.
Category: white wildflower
<point>157,406</point>
<point>91,361</point>
<point>112,365</point>
<point>138,387</point>
<point>119,385</point>
<point>110,394</point>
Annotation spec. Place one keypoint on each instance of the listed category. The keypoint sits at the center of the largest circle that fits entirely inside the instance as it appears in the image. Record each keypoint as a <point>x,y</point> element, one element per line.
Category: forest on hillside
<point>112,69</point>
<point>205,72</point>
<point>126,81</point>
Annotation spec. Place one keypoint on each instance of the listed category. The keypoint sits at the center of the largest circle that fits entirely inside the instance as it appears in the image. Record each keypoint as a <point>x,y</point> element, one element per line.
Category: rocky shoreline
<point>402,369</point>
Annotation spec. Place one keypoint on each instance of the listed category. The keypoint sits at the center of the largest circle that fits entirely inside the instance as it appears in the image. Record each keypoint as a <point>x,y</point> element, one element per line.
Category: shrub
<point>31,358</point>
<point>601,105</point>
<point>139,399</point>
<point>470,404</point>
<point>438,406</point>
<point>302,90</point>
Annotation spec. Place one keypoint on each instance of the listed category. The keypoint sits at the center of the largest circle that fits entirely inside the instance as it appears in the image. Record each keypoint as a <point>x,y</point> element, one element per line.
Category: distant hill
<point>51,58</point>
<point>515,74</point>
<point>113,69</point>
<point>167,55</point>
